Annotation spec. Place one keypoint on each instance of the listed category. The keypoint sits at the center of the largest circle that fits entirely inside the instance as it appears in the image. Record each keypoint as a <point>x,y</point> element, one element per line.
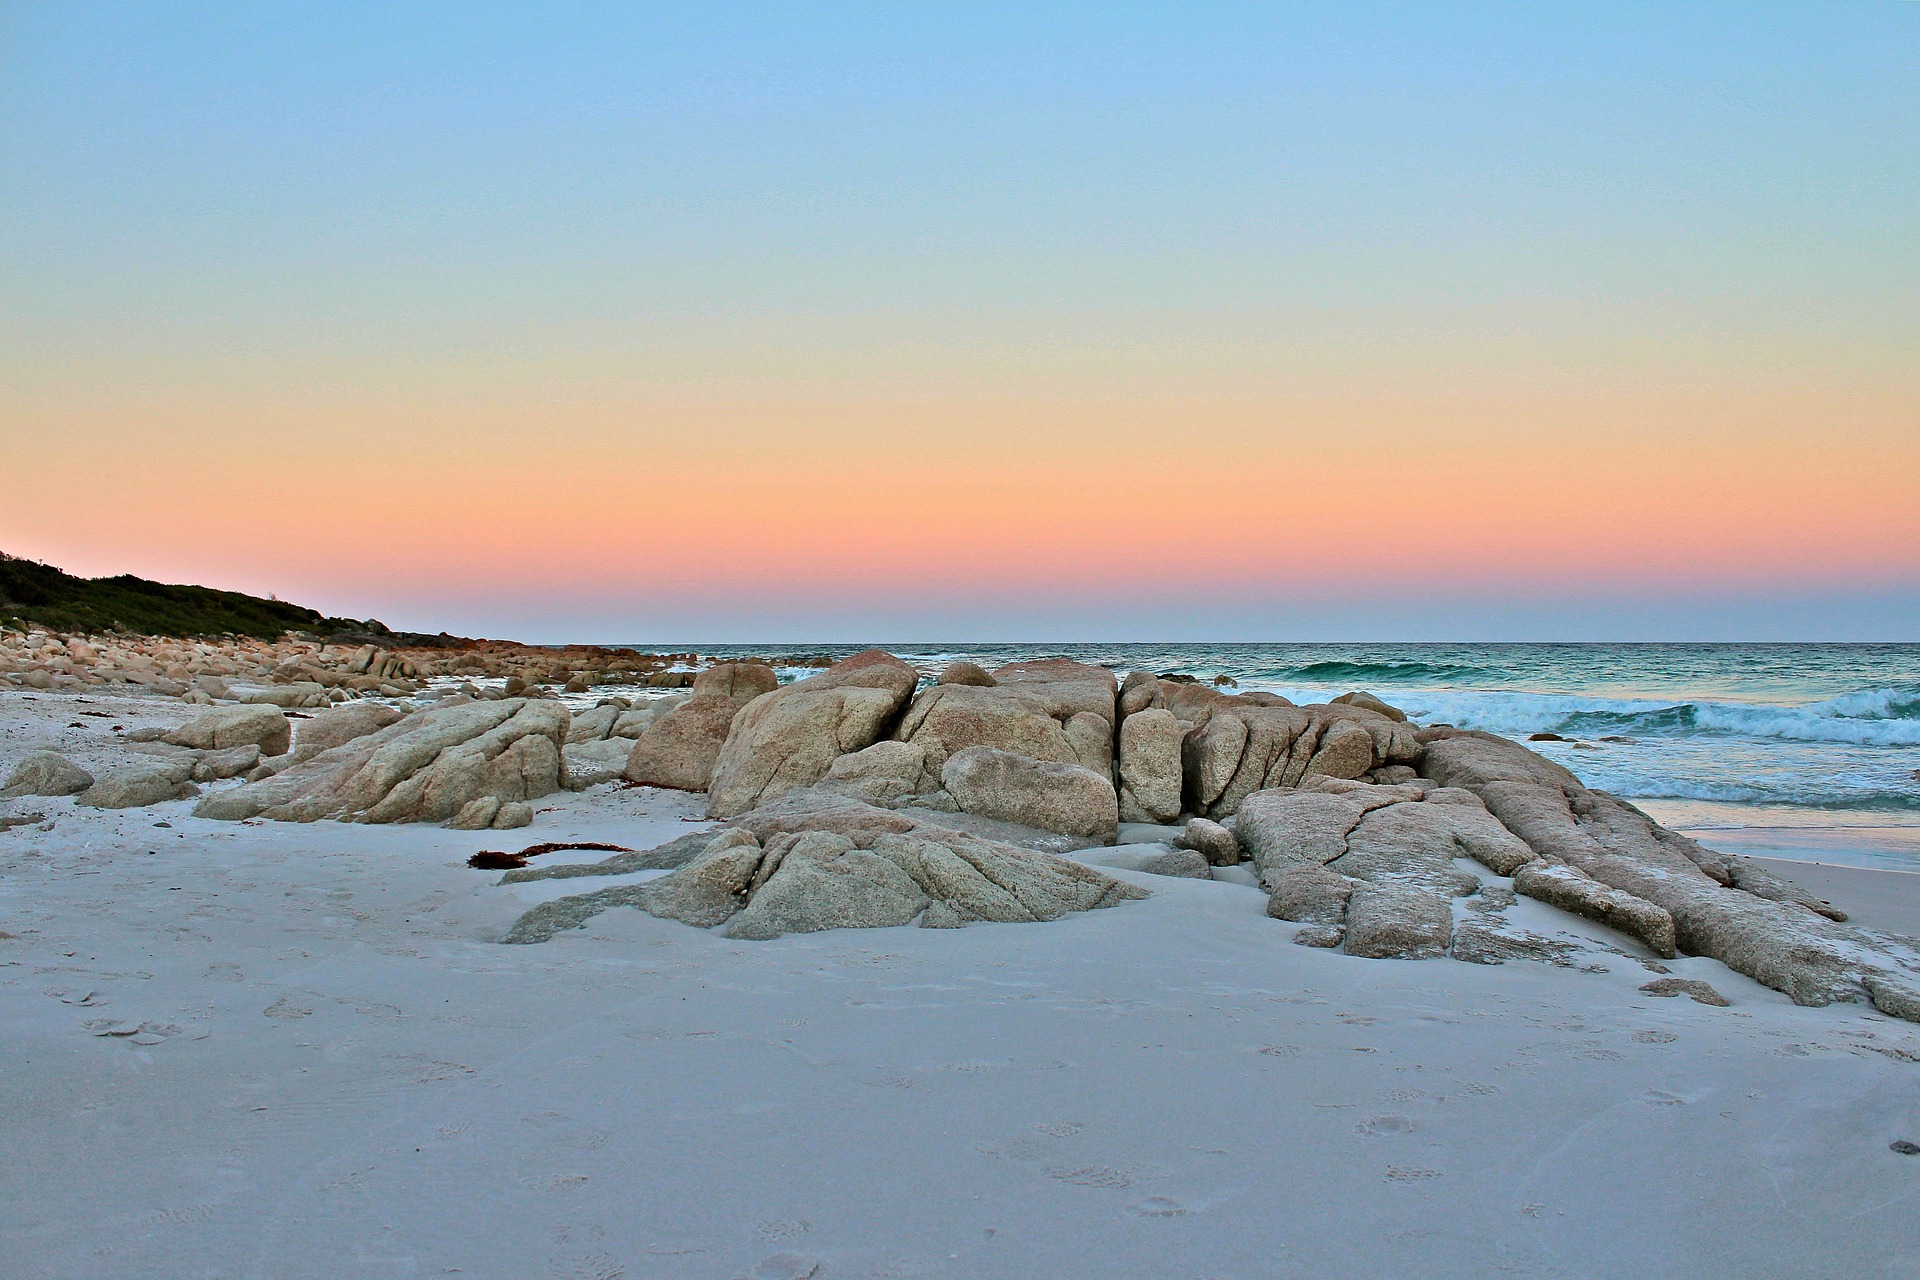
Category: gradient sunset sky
<point>908,322</point>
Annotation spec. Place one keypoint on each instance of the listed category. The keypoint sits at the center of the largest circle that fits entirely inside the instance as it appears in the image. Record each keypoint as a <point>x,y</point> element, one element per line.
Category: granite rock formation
<point>428,767</point>
<point>789,738</point>
<point>815,863</point>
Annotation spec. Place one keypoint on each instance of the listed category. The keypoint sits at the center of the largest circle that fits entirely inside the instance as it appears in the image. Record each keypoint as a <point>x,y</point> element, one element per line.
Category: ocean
<point>1700,735</point>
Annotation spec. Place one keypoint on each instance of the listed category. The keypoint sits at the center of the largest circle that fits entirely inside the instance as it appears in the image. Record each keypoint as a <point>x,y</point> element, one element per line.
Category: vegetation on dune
<point>31,592</point>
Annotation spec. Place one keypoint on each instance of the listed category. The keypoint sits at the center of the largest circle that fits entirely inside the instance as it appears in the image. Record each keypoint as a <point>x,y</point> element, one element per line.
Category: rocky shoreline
<point>311,671</point>
<point>1440,987</point>
<point>866,796</point>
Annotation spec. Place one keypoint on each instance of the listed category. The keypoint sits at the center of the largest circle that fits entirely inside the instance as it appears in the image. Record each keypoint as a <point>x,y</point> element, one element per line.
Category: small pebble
<point>1904,1147</point>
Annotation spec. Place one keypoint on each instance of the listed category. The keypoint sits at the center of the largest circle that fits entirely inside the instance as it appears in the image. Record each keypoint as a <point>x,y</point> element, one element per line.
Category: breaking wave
<point>1362,673</point>
<point>1885,717</point>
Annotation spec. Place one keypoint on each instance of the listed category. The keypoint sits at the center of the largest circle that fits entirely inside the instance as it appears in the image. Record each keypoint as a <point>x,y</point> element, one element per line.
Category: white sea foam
<point>1870,717</point>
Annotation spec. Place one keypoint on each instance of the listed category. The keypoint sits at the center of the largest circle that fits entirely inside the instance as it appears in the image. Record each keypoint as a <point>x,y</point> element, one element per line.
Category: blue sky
<point>435,250</point>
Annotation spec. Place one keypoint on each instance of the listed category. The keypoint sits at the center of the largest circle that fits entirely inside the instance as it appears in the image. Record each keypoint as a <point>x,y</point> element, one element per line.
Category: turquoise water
<point>1741,734</point>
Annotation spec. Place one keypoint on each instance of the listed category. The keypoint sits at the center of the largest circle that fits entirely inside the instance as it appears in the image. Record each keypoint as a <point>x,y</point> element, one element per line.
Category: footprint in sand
<point>1060,1128</point>
<point>1378,1125</point>
<point>175,1217</point>
<point>781,1266</point>
<point>82,999</point>
<point>595,1266</point>
<point>553,1181</point>
<point>1396,1174</point>
<point>287,1007</point>
<point>1093,1175</point>
<point>1161,1207</point>
<point>142,1033</point>
<point>425,1070</point>
<point>1655,1037</point>
<point>1023,1149</point>
<point>370,1008</point>
<point>782,1228</point>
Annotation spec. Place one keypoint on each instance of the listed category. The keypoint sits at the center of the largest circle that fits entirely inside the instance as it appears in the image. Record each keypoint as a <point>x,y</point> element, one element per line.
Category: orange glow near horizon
<point>641,321</point>
<point>871,501</point>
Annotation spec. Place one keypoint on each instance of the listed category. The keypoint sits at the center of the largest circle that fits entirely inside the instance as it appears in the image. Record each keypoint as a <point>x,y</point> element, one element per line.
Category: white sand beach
<point>287,1050</point>
<point>949,642</point>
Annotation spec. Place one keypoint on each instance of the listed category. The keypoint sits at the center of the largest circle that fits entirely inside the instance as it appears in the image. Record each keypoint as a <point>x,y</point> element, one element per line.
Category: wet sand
<point>1887,900</point>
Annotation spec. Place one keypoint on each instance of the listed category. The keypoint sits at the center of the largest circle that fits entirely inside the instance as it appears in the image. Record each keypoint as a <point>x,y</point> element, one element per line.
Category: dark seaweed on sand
<point>493,860</point>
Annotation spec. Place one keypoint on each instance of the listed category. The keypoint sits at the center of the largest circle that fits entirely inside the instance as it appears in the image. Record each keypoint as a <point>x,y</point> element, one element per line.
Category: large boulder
<point>302,693</point>
<point>593,725</point>
<point>1048,709</point>
<point>890,774</point>
<point>231,762</point>
<point>1395,848</point>
<point>1219,846</point>
<point>134,786</point>
<point>822,880</point>
<point>1244,745</point>
<point>790,737</point>
<point>1308,893</point>
<point>1768,932</point>
<point>425,768</point>
<point>263,726</point>
<point>1138,692</point>
<point>1570,889</point>
<point>46,773</point>
<point>1193,704</point>
<point>1361,698</point>
<point>835,864</point>
<point>740,681</point>
<point>339,725</point>
<point>679,750</point>
<point>634,723</point>
<point>1282,828</point>
<point>1011,787</point>
<point>591,763</point>
<point>1392,920</point>
<point>486,813</point>
<point>1150,774</point>
<point>1397,852</point>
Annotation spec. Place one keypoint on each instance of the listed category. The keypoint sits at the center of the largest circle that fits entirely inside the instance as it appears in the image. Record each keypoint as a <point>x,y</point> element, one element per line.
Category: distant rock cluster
<point>299,673</point>
<point>476,756</point>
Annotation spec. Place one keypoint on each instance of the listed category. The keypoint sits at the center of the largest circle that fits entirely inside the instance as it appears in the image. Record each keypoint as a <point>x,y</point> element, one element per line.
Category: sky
<point>849,322</point>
